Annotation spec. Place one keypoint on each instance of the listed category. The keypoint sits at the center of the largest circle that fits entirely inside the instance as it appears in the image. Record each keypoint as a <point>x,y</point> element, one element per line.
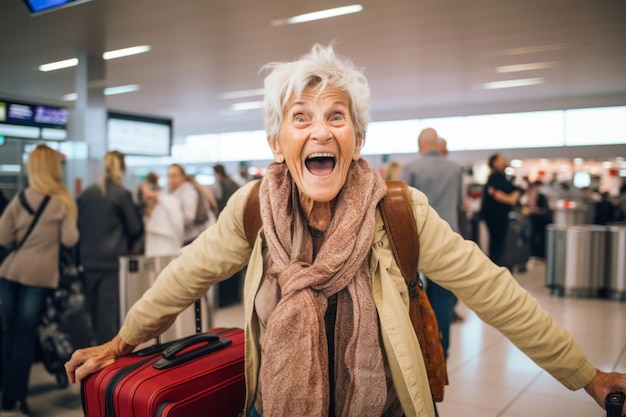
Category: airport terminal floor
<point>489,377</point>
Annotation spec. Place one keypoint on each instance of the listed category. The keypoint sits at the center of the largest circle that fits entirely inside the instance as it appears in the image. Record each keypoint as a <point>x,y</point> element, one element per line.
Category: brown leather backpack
<point>397,212</point>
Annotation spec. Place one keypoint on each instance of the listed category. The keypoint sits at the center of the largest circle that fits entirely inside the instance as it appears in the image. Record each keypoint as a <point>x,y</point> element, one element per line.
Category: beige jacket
<point>37,262</point>
<point>445,257</point>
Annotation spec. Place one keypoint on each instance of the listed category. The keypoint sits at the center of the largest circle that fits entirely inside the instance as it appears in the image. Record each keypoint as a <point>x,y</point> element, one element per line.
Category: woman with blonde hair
<point>28,273</point>
<point>198,203</point>
<point>110,225</point>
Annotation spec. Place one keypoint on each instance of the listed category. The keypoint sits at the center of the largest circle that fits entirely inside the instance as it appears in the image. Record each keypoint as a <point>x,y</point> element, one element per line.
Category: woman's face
<point>317,141</point>
<point>174,178</point>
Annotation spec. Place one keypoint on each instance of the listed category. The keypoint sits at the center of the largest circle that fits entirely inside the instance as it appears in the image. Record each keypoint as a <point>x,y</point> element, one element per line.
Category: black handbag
<point>12,248</point>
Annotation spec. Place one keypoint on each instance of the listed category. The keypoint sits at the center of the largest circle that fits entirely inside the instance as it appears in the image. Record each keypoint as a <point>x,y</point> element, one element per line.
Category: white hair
<point>320,67</point>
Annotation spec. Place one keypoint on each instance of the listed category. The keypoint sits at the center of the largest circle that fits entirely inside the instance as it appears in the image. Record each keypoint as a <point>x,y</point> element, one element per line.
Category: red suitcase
<point>199,375</point>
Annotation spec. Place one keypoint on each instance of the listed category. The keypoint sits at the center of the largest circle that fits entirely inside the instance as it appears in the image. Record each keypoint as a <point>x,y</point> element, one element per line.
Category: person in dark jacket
<point>499,197</point>
<point>109,225</point>
<point>226,185</point>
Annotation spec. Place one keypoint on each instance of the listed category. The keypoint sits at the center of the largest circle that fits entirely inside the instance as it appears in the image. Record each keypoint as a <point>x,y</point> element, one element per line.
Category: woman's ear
<point>275,147</point>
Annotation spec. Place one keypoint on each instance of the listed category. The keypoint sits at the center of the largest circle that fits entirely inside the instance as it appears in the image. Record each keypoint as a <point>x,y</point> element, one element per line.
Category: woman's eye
<point>299,118</point>
<point>337,117</point>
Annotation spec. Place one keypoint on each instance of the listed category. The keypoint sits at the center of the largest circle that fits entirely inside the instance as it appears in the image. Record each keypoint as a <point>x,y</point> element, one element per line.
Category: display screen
<point>42,6</point>
<point>36,115</point>
<point>139,135</point>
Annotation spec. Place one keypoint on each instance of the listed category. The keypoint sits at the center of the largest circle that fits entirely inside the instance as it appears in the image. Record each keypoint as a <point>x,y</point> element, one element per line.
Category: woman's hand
<point>603,384</point>
<point>89,360</point>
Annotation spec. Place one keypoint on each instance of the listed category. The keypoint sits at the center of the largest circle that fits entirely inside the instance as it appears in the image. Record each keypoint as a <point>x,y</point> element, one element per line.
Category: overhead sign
<point>36,115</point>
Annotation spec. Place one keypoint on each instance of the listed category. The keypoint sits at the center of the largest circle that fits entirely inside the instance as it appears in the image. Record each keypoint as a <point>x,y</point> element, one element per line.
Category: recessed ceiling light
<point>229,95</point>
<point>527,67</point>
<point>522,82</point>
<point>53,66</point>
<point>247,105</point>
<point>119,53</point>
<point>322,14</point>
<point>109,91</point>
<point>534,49</point>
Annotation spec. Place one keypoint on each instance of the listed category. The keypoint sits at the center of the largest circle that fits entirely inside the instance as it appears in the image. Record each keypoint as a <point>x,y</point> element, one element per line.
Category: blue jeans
<point>443,302</point>
<point>254,413</point>
<point>22,307</point>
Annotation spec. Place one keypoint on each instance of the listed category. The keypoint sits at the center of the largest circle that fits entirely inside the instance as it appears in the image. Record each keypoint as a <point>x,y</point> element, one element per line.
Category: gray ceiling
<point>423,58</point>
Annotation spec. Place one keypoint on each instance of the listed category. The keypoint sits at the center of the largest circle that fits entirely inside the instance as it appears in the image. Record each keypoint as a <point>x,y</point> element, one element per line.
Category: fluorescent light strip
<point>118,53</point>
<point>534,49</point>
<point>527,67</point>
<point>247,105</point>
<point>242,93</point>
<point>322,14</point>
<point>53,66</point>
<point>523,82</point>
<point>109,91</point>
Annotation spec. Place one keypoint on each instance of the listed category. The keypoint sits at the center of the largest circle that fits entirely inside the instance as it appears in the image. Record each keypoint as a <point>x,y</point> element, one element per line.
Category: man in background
<point>440,179</point>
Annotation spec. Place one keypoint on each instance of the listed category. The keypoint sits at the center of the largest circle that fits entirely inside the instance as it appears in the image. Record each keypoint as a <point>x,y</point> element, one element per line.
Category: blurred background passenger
<point>163,220</point>
<point>499,197</point>
<point>440,179</point>
<point>110,226</point>
<point>604,210</point>
<point>198,203</point>
<point>536,206</point>
<point>3,202</point>
<point>29,273</point>
<point>228,291</point>
<point>621,204</point>
<point>393,171</point>
<point>225,186</point>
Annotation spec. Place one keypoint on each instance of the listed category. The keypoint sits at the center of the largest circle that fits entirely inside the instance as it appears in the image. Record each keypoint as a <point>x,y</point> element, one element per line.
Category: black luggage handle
<point>170,356</point>
<point>614,403</point>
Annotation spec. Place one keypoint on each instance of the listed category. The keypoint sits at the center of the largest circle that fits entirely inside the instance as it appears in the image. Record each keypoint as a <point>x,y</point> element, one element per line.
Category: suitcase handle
<point>614,403</point>
<point>172,357</point>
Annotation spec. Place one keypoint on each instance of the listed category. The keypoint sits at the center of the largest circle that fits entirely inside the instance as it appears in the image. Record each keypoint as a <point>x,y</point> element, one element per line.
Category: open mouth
<point>320,164</point>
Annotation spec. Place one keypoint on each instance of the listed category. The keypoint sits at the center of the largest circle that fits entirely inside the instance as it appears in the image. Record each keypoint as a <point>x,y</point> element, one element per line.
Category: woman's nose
<point>320,131</point>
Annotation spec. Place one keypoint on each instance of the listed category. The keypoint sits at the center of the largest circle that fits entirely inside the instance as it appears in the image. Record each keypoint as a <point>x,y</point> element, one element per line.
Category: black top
<point>109,226</point>
<point>491,208</point>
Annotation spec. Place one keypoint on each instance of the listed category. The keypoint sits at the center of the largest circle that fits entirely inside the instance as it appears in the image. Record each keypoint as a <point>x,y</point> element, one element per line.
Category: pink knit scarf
<point>294,364</point>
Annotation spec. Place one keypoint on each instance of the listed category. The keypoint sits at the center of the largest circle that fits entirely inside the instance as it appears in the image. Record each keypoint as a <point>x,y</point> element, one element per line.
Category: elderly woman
<point>326,307</point>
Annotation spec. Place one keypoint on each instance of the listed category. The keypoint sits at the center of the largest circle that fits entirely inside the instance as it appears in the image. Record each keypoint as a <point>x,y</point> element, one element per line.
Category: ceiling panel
<point>422,58</point>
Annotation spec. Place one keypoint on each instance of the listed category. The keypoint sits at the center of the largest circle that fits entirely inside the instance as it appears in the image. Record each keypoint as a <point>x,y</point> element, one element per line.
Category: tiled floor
<point>488,376</point>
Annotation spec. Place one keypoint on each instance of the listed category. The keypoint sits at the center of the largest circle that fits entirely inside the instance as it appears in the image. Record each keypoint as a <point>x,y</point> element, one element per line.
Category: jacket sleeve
<point>133,224</point>
<point>219,252</point>
<point>497,298</point>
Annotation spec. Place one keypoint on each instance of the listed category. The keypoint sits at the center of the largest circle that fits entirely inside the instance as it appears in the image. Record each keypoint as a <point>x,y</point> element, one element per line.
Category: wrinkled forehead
<point>314,91</point>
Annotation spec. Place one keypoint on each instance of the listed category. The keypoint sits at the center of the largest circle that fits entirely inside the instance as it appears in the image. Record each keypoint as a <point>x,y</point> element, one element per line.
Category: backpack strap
<point>397,212</point>
<point>399,221</point>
